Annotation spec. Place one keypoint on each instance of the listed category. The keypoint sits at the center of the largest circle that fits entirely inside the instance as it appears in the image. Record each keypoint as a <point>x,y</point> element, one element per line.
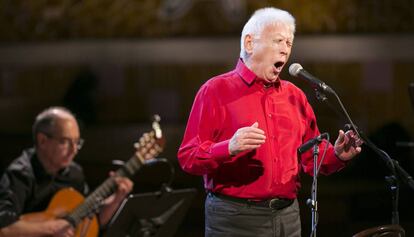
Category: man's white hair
<point>262,18</point>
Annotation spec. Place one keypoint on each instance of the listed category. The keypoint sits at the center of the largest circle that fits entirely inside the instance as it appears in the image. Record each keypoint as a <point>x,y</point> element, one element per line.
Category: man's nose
<point>284,48</point>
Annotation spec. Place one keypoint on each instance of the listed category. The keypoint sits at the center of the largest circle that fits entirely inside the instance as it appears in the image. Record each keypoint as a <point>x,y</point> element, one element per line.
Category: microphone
<point>312,142</point>
<point>297,70</point>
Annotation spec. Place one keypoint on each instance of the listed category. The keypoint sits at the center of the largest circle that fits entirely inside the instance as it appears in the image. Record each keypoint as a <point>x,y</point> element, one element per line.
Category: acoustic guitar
<point>80,212</point>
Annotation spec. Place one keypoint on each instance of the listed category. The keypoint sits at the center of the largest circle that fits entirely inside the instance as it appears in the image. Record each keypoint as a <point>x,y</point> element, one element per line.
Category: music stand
<point>156,214</point>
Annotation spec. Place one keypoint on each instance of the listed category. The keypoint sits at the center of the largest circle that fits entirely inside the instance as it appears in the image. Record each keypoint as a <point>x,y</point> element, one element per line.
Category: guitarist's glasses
<point>67,142</point>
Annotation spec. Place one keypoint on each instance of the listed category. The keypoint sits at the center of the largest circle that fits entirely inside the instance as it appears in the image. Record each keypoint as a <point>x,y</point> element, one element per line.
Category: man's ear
<point>41,139</point>
<point>248,44</point>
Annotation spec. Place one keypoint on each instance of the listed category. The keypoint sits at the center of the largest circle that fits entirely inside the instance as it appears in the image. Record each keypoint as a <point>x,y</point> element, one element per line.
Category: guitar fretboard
<point>149,146</point>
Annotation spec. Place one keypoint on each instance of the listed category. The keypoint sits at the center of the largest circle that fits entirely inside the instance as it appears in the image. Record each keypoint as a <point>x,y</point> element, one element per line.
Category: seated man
<point>30,182</point>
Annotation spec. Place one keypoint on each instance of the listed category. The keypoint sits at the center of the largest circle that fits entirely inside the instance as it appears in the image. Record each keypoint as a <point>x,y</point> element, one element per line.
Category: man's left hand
<point>124,187</point>
<point>347,145</point>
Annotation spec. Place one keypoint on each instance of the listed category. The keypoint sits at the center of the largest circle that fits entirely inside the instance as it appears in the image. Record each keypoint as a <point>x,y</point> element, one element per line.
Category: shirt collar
<point>250,77</point>
<point>40,170</point>
<point>245,73</point>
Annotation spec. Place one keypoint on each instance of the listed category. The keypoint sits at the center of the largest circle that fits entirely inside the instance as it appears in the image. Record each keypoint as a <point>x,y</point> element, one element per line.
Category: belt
<point>274,203</point>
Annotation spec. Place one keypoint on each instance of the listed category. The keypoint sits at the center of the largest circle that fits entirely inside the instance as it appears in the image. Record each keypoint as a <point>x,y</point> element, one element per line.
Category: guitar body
<point>62,203</point>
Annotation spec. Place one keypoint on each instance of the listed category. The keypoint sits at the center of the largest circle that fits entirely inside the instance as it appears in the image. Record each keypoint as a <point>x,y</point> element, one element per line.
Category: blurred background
<point>116,63</point>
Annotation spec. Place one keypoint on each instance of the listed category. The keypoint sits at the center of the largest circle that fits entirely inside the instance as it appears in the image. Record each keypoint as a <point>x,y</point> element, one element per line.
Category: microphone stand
<point>397,172</point>
<point>313,203</point>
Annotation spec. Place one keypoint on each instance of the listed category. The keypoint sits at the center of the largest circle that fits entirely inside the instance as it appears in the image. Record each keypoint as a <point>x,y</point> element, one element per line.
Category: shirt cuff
<point>343,161</point>
<point>220,150</point>
<point>335,160</point>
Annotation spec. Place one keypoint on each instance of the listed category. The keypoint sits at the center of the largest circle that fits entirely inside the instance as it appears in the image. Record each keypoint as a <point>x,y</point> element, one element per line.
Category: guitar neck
<point>93,202</point>
<point>149,145</point>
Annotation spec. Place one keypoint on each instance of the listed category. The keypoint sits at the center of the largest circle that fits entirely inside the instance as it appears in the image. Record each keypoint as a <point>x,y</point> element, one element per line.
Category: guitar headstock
<point>151,143</point>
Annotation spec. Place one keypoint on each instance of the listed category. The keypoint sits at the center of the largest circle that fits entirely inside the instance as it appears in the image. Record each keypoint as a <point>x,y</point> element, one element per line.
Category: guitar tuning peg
<point>153,152</point>
<point>148,156</point>
<point>156,118</point>
<point>157,147</point>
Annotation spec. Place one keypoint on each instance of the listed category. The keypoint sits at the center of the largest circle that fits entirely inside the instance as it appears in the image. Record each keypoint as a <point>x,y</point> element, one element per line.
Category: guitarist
<point>31,180</point>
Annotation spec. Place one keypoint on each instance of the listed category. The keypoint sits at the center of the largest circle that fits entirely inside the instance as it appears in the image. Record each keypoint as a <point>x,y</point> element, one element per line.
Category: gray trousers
<point>228,218</point>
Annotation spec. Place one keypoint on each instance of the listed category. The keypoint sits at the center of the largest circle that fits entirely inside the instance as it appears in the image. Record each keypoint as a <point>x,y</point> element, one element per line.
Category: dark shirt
<point>26,187</point>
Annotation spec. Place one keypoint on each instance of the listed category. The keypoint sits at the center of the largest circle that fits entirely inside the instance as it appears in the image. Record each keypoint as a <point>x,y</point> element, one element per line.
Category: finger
<point>250,147</point>
<point>253,141</point>
<point>253,127</point>
<point>251,130</point>
<point>122,190</point>
<point>341,137</point>
<point>124,184</point>
<point>351,132</point>
<point>120,180</point>
<point>356,150</point>
<point>356,140</point>
<point>252,135</point>
<point>71,232</point>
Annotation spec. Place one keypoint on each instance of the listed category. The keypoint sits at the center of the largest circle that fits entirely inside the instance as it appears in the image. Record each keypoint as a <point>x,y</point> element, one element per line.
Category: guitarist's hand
<point>60,228</point>
<point>50,228</point>
<point>112,203</point>
<point>124,185</point>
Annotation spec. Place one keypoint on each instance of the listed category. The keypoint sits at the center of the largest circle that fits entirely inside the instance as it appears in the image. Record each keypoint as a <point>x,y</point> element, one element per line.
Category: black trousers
<point>228,218</point>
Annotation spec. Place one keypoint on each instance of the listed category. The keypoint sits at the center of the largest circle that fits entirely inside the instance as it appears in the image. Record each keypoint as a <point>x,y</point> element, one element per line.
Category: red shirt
<point>237,99</point>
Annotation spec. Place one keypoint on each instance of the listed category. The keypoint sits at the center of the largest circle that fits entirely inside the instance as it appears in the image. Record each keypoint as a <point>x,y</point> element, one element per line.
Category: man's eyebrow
<point>284,36</point>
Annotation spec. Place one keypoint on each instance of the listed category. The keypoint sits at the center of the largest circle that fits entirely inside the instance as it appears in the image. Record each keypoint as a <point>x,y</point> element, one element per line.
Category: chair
<point>382,231</point>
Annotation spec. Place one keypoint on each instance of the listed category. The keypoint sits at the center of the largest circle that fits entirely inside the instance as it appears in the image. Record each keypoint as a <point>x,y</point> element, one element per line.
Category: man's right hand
<point>246,138</point>
<point>51,228</point>
<point>60,228</point>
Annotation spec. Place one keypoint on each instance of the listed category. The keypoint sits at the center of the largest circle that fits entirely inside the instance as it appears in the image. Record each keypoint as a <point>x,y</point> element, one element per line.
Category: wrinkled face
<point>59,149</point>
<point>269,52</point>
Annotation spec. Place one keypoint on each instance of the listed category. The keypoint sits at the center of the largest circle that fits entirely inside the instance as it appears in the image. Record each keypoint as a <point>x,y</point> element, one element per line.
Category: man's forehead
<point>278,29</point>
<point>64,125</point>
<point>61,113</point>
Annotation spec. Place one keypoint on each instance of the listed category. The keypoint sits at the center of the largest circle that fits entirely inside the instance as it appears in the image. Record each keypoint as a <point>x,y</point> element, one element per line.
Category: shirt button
<point>270,115</point>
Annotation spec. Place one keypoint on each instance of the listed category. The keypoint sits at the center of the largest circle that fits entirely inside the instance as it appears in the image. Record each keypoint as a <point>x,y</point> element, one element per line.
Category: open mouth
<point>279,65</point>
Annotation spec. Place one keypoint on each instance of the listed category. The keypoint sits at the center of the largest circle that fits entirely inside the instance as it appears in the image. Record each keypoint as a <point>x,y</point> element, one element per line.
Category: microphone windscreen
<point>294,69</point>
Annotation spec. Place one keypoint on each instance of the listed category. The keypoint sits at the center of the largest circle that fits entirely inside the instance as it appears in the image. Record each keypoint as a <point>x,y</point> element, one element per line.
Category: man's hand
<point>59,228</point>
<point>347,145</point>
<point>51,228</point>
<point>111,203</point>
<point>124,186</point>
<point>246,138</point>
